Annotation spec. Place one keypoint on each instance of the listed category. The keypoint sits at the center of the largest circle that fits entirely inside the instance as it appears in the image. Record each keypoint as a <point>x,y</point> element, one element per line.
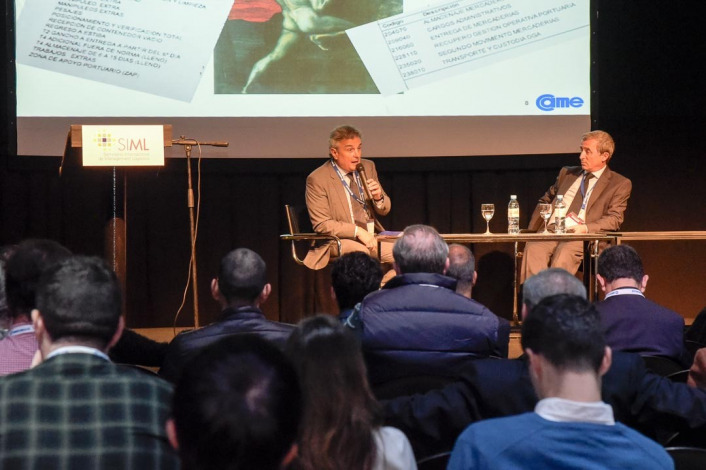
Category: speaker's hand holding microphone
<point>372,188</point>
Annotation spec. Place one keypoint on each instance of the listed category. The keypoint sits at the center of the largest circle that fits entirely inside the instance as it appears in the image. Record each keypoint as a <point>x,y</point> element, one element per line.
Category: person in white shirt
<point>571,427</point>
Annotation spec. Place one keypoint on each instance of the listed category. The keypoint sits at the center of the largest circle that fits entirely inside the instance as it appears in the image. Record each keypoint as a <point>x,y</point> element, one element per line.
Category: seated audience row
<point>491,388</point>
<point>238,402</point>
<point>77,409</point>
<point>570,427</point>
<point>421,322</point>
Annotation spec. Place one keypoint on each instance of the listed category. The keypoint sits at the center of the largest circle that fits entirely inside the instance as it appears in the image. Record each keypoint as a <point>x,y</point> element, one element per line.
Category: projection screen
<point>273,77</point>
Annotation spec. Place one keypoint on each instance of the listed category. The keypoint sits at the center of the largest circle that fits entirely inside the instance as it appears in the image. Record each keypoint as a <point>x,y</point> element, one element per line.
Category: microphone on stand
<point>363,177</point>
<point>183,141</point>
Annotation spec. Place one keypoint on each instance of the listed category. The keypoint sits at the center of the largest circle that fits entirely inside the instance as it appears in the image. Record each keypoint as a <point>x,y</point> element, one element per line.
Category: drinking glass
<point>487,210</point>
<point>545,210</point>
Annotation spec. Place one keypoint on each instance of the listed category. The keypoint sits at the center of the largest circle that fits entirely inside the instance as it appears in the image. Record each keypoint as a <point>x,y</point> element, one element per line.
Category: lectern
<point>118,147</point>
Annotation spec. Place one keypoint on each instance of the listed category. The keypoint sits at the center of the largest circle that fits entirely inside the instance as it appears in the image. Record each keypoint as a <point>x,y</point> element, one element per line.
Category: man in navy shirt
<point>631,322</point>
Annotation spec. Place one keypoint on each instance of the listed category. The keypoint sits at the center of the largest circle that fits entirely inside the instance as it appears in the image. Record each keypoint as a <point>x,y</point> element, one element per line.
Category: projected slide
<point>232,70</point>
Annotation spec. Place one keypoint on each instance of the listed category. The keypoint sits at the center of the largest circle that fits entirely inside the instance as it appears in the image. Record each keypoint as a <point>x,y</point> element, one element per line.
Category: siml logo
<point>103,139</point>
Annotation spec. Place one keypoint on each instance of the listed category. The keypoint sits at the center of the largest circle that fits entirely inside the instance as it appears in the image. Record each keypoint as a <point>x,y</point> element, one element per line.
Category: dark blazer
<point>327,202</point>
<point>490,388</point>
<point>243,320</point>
<point>81,411</point>
<point>635,324</point>
<point>606,206</point>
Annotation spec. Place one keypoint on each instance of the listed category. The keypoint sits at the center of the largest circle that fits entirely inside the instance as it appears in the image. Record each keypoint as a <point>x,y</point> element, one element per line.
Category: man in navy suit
<point>630,321</point>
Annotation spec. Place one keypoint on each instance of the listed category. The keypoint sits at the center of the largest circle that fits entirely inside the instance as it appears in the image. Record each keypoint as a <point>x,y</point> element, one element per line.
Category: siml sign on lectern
<point>121,145</point>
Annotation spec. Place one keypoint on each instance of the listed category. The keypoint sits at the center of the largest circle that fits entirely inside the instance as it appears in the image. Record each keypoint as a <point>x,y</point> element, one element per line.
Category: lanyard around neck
<point>356,178</point>
<point>625,291</point>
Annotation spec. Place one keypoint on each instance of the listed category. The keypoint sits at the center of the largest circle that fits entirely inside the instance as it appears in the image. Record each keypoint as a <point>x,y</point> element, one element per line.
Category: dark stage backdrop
<point>649,94</point>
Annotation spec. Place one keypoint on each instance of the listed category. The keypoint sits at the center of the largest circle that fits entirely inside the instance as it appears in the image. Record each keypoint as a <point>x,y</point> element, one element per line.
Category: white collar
<point>565,411</point>
<point>597,174</point>
<point>76,349</point>
<point>20,328</point>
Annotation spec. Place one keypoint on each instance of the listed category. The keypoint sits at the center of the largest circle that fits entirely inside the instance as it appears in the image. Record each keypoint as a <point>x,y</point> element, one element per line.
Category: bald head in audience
<point>420,249</point>
<point>462,267</point>
<point>547,283</point>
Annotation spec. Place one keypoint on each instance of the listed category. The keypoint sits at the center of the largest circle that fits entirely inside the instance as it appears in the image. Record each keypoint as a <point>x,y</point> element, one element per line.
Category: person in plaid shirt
<point>76,409</point>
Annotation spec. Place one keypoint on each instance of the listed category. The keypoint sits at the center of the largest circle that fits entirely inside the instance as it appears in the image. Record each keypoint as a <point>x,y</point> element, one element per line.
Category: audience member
<point>570,426</point>
<point>462,267</point>
<point>4,311</point>
<point>237,405</point>
<point>491,388</point>
<point>417,324</point>
<point>240,288</point>
<point>342,424</point>
<point>77,409</point>
<point>353,276</point>
<point>550,282</point>
<point>22,271</point>
<point>630,321</point>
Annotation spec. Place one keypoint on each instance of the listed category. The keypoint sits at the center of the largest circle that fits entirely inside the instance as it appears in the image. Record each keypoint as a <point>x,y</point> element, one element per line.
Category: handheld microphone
<point>363,177</point>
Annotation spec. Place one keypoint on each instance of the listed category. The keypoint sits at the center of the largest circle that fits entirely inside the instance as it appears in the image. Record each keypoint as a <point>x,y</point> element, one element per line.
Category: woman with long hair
<point>342,424</point>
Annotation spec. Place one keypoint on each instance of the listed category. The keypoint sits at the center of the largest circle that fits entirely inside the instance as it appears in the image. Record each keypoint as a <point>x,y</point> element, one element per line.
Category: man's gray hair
<point>420,249</point>
<point>550,282</point>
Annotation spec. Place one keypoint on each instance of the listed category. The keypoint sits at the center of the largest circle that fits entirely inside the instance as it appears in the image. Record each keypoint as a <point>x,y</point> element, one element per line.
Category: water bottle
<point>559,215</point>
<point>513,215</point>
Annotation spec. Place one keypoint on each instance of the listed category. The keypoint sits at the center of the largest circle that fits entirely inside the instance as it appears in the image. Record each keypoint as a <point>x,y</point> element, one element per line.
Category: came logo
<point>551,102</point>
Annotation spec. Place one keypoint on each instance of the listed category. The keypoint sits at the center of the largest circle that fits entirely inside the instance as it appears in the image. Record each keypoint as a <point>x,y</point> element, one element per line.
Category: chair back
<point>298,219</point>
<point>661,365</point>
<point>409,385</point>
<point>434,462</point>
<point>679,377</point>
<point>292,219</point>
<point>692,346</point>
<point>687,438</point>
<point>302,233</point>
<point>687,458</point>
